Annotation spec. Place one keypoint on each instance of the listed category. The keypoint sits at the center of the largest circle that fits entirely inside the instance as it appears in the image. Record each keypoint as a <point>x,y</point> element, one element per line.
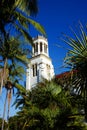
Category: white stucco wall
<point>45,68</point>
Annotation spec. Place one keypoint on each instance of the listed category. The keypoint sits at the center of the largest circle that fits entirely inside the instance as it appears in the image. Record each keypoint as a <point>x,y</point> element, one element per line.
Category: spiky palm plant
<point>76,59</point>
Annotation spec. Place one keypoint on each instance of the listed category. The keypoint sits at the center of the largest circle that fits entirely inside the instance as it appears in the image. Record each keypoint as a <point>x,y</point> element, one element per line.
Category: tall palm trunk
<point>85,108</point>
<point>4,110</point>
<point>8,96</point>
<point>85,104</point>
<point>9,100</point>
<point>4,75</point>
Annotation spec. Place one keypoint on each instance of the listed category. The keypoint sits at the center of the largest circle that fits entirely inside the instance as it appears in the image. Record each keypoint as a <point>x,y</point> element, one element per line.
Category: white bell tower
<point>40,65</point>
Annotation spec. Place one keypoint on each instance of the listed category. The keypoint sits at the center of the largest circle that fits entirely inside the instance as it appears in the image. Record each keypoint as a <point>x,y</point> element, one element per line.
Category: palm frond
<point>27,20</point>
<point>78,51</point>
<point>37,26</point>
<point>30,6</point>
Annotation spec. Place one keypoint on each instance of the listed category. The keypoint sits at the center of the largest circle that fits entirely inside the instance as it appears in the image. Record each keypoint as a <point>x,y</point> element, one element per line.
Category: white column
<point>42,47</point>
<point>38,73</point>
<point>47,51</point>
<point>38,48</point>
<point>32,51</point>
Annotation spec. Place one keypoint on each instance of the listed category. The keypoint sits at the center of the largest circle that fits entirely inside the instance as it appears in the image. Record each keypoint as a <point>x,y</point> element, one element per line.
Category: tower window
<point>45,48</point>
<point>33,70</point>
<point>36,47</point>
<point>40,46</point>
<point>34,67</point>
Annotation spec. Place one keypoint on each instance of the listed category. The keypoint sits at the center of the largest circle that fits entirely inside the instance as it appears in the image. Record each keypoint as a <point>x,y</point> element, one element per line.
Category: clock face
<point>42,66</point>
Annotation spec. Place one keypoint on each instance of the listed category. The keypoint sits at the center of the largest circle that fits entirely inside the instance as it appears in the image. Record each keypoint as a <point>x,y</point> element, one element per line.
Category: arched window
<point>36,47</point>
<point>34,67</point>
<point>40,46</point>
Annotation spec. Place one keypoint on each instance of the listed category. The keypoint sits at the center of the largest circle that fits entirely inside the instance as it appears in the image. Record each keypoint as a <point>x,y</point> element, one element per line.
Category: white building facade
<point>40,66</point>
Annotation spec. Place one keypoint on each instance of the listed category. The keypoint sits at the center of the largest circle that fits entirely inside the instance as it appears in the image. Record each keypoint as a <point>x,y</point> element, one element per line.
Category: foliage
<point>15,16</point>
<point>5,126</point>
<point>11,68</point>
<point>76,60</point>
<point>15,123</point>
<point>48,107</point>
<point>12,55</point>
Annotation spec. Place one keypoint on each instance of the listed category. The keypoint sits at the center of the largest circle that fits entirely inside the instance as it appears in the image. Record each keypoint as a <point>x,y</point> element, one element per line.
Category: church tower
<point>40,65</point>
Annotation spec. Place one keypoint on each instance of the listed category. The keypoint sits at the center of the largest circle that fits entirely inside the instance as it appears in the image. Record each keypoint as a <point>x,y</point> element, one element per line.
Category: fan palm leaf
<point>76,54</point>
<point>76,58</point>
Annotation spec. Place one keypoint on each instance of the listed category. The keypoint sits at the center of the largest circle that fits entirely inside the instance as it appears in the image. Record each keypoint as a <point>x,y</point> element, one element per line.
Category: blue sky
<point>56,17</point>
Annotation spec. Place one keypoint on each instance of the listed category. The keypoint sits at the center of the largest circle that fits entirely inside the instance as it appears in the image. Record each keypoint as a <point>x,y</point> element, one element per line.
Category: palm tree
<point>16,14</point>
<point>11,53</point>
<point>76,59</point>
<point>11,71</point>
<point>36,105</point>
<point>47,106</point>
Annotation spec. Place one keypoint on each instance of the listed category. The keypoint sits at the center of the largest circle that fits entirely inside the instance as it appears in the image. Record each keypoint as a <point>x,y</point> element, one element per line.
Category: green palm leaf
<point>76,58</point>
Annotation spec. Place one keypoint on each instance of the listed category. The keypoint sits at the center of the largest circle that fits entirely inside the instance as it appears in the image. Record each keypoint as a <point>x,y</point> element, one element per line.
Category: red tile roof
<point>66,74</point>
